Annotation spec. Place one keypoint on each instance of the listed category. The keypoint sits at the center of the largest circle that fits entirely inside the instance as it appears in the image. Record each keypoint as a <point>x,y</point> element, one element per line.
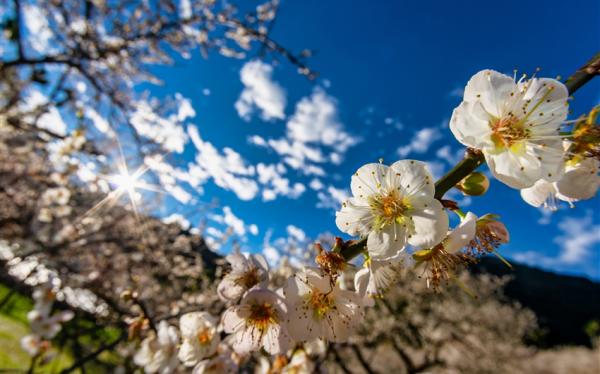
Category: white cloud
<point>39,36</point>
<point>230,223</point>
<point>332,198</point>
<point>50,119</point>
<point>168,131</point>
<point>185,9</point>
<point>314,135</point>
<point>99,122</point>
<point>257,140</point>
<point>271,254</point>
<point>184,108</point>
<point>447,154</point>
<point>169,178</point>
<point>177,218</point>
<point>436,168</point>
<point>316,184</point>
<point>457,92</point>
<point>296,233</point>
<point>421,141</point>
<point>233,221</point>
<point>316,121</point>
<point>577,241</point>
<point>260,92</point>
<point>271,176</point>
<point>227,168</point>
<point>545,216</point>
<point>579,238</point>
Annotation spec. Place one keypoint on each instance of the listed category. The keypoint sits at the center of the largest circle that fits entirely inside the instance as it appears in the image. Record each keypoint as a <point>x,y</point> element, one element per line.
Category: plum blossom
<point>158,353</point>
<point>489,234</point>
<point>375,277</point>
<point>393,206</point>
<point>246,272</point>
<point>258,321</point>
<point>319,308</point>
<point>579,182</point>
<point>200,337</point>
<point>442,260</point>
<point>220,364</point>
<point>54,204</point>
<point>299,364</point>
<point>45,325</point>
<point>515,124</point>
<point>34,344</point>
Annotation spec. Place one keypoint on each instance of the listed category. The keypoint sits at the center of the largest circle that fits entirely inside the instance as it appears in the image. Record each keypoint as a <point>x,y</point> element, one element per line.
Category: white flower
<point>258,321</point>
<point>317,308</point>
<point>200,337</point>
<point>246,272</point>
<point>44,296</point>
<point>33,344</point>
<point>221,364</point>
<point>56,196</point>
<point>515,124</point>
<point>375,277</point>
<point>316,347</point>
<point>158,353</point>
<point>45,326</point>
<point>579,182</point>
<point>393,206</point>
<point>299,364</point>
<point>462,234</point>
<point>442,260</point>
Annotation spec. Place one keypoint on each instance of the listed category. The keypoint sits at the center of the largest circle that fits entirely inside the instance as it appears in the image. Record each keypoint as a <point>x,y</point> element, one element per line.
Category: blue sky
<point>388,71</point>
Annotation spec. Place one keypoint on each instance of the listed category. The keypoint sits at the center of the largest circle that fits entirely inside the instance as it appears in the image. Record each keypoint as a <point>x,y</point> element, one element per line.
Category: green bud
<point>474,184</point>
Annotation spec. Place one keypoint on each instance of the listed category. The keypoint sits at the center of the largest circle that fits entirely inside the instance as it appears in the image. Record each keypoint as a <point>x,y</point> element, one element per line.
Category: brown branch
<point>82,361</point>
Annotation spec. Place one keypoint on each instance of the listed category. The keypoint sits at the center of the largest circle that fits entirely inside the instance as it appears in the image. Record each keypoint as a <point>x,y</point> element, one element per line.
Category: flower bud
<point>491,223</point>
<point>474,184</point>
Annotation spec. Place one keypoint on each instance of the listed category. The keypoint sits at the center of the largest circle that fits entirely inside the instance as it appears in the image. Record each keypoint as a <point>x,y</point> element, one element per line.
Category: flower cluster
<point>284,322</point>
<point>400,220</point>
<point>44,325</point>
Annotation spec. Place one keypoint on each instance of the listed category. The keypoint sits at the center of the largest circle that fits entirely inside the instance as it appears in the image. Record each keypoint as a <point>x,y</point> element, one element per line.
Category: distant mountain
<point>563,304</point>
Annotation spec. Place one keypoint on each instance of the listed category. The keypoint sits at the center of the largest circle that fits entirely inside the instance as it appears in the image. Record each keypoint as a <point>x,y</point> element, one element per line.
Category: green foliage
<point>13,326</point>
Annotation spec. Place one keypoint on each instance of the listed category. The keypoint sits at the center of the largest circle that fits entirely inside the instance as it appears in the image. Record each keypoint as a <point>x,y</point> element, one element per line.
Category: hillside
<point>563,304</point>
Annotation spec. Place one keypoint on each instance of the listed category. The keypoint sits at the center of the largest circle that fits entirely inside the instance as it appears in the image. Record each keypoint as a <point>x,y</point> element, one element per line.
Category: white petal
<point>354,219</point>
<point>413,178</point>
<point>581,182</point>
<point>552,159</point>
<point>190,323</point>
<point>537,194</point>
<point>188,353</point>
<point>260,262</point>
<point>548,97</point>
<point>516,171</point>
<point>367,180</point>
<point>361,281</point>
<point>237,260</point>
<point>461,235</point>
<point>430,225</point>
<point>468,126</point>
<point>386,243</point>
<point>229,290</point>
<point>492,89</point>
<point>233,319</point>
<point>167,335</point>
<point>276,340</point>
